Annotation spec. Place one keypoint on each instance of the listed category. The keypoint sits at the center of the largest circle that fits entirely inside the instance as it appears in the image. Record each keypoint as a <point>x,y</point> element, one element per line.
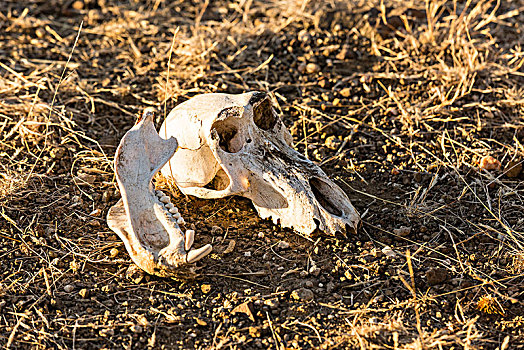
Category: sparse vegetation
<point>415,108</point>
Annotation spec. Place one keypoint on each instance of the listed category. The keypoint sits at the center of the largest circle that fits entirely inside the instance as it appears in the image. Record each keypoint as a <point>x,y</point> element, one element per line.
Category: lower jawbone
<point>145,220</point>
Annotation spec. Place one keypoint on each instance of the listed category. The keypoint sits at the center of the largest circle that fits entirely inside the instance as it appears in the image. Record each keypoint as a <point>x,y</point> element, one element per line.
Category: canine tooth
<point>169,206</point>
<point>165,199</point>
<point>197,254</point>
<point>190,238</point>
<point>176,215</point>
<point>173,210</point>
<point>180,221</point>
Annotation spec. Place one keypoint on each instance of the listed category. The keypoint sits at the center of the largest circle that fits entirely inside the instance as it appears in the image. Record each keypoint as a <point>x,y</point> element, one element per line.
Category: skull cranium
<point>237,145</point>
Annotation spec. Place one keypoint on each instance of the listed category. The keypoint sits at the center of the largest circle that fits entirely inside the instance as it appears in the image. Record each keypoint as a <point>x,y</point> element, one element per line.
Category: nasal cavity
<point>323,194</point>
<point>263,115</point>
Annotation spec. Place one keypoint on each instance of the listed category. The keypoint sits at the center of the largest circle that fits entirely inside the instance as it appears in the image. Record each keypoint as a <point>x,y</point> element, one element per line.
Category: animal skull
<point>237,145</point>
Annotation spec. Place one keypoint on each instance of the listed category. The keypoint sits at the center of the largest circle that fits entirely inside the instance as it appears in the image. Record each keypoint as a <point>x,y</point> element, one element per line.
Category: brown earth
<point>399,102</point>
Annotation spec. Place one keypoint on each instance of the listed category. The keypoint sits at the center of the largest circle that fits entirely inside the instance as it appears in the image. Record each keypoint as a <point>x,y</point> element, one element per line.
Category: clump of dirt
<point>399,102</point>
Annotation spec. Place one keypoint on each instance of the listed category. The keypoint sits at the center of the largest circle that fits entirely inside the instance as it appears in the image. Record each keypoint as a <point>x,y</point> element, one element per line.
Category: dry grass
<point>399,101</point>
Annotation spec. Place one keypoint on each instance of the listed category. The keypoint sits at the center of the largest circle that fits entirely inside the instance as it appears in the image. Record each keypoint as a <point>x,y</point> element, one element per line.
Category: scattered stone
<point>403,231</point>
<point>312,68</point>
<point>261,235</point>
<point>254,332</point>
<point>387,251</point>
<point>272,303</point>
<point>489,163</point>
<point>247,254</point>
<point>309,284</point>
<point>135,273</point>
<point>78,5</point>
<point>136,328</point>
<point>436,275</point>
<point>345,92</point>
<point>142,320</point>
<point>68,288</point>
<point>113,253</point>
<point>95,212</point>
<point>230,247</point>
<point>332,142</point>
<point>200,322</point>
<point>314,270</point>
<point>513,169</point>
<point>283,245</point>
<point>215,230</point>
<point>304,294</point>
<point>245,308</point>
<point>304,36</point>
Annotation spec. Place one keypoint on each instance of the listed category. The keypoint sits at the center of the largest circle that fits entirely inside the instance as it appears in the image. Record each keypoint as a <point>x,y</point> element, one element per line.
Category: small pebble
<point>283,245</point>
<point>312,68</point>
<point>303,294</point>
<point>489,163</point>
<point>215,230</point>
<point>403,231</point>
<point>309,284</point>
<point>69,288</point>
<point>436,275</point>
<point>248,254</point>
<point>387,251</point>
<point>314,270</point>
<point>513,169</point>
<point>113,252</point>
<point>136,329</point>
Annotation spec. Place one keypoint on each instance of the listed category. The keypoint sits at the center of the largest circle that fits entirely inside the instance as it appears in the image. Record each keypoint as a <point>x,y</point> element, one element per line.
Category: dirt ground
<point>414,108</point>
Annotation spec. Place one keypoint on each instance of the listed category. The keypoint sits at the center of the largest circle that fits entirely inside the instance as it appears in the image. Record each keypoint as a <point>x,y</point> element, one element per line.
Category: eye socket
<point>263,115</point>
<point>231,140</point>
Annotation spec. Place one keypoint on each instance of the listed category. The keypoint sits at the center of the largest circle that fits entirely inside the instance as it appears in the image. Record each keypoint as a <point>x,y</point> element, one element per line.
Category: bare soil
<point>399,102</point>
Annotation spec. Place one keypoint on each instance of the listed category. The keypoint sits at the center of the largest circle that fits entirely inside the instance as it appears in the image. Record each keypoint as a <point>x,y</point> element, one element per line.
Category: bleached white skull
<point>237,145</point>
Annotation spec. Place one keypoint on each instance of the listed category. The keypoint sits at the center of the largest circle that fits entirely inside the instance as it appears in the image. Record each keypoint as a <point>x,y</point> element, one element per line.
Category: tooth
<point>169,206</point>
<point>197,254</point>
<point>173,210</point>
<point>159,194</point>
<point>176,215</point>
<point>165,199</point>
<point>190,238</point>
<point>180,221</point>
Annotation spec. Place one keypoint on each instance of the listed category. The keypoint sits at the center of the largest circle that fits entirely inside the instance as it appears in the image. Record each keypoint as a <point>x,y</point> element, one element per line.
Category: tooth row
<point>162,197</point>
<point>193,255</point>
